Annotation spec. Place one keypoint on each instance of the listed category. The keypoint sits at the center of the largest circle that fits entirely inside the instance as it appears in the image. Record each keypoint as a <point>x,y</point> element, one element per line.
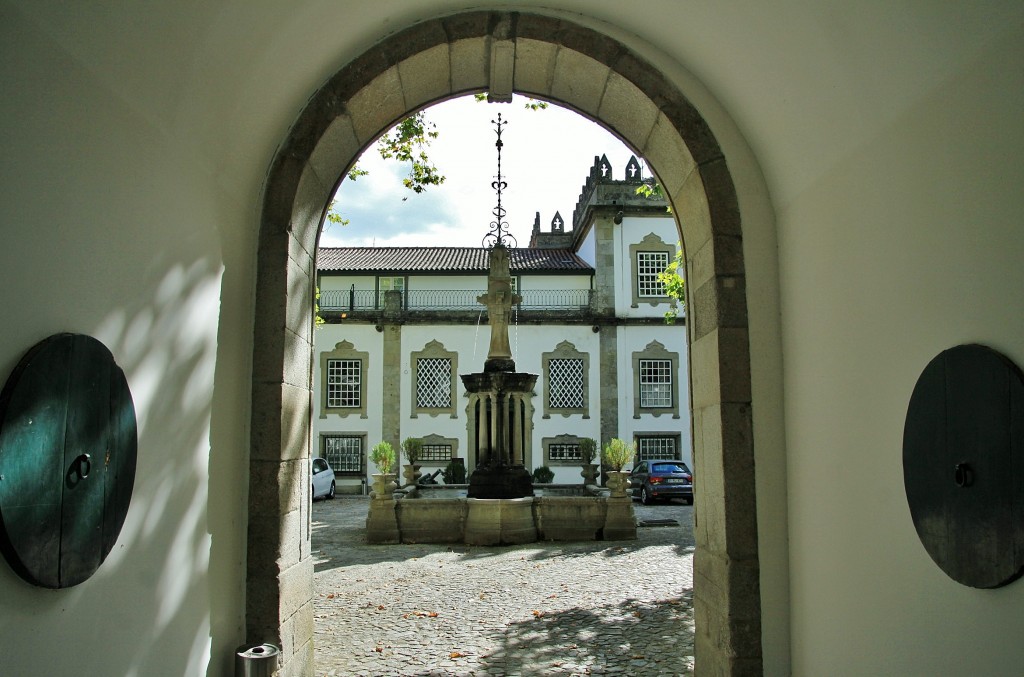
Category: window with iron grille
<point>655,383</point>
<point>344,380</point>
<point>436,452</point>
<point>564,452</point>
<point>434,383</point>
<point>565,383</point>
<point>344,453</point>
<point>652,446</point>
<point>648,266</point>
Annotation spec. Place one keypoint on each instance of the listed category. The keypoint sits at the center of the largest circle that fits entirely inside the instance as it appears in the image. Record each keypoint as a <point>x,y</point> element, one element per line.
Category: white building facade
<point>401,325</point>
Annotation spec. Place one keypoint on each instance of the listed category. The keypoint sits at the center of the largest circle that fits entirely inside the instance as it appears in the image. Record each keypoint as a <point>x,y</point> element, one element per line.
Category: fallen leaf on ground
<point>456,654</point>
<point>538,614</point>
<point>380,607</point>
<point>330,596</point>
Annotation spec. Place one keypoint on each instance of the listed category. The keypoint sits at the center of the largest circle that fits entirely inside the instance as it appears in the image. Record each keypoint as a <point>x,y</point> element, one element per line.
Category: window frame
<point>566,350</point>
<point>675,437</point>
<point>363,457</point>
<point>563,439</point>
<point>433,350</point>
<point>344,350</point>
<point>434,439</point>
<point>656,351</point>
<point>651,244</point>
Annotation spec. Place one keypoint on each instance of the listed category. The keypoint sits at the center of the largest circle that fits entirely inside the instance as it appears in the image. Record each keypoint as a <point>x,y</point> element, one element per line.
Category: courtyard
<point>592,608</point>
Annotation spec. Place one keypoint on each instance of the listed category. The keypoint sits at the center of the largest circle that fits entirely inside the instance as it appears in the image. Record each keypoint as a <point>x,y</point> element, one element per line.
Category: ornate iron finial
<point>499,233</point>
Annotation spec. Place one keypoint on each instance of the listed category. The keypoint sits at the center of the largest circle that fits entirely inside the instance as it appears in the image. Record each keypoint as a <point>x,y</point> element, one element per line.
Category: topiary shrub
<point>454,472</point>
<point>412,448</point>
<point>543,475</point>
<point>588,450</point>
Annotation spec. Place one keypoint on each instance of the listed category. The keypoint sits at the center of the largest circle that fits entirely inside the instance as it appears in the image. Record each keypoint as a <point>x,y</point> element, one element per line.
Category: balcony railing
<point>352,300</point>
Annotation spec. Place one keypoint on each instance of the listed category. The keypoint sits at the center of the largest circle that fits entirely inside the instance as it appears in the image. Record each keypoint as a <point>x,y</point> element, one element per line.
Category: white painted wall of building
<point>364,338</point>
<point>635,339</point>
<point>632,230</point>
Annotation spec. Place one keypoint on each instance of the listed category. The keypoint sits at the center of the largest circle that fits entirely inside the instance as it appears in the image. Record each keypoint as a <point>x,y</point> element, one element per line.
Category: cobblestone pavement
<point>600,608</point>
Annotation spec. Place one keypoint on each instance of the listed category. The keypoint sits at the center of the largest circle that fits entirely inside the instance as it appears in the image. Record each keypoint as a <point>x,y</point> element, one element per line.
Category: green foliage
<point>543,475</point>
<point>588,449</point>
<point>454,473</point>
<point>318,320</point>
<point>412,448</point>
<point>407,142</point>
<point>675,285</point>
<point>531,104</point>
<point>617,453</point>
<point>332,215</point>
<point>383,456</point>
<point>652,190</point>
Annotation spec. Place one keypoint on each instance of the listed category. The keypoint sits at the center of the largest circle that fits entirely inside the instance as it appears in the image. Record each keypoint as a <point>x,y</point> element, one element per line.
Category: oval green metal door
<point>68,448</point>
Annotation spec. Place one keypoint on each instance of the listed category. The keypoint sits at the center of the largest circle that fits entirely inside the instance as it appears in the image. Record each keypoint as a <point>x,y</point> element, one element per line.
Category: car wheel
<point>645,497</point>
<point>312,491</point>
<point>330,492</point>
<point>689,501</point>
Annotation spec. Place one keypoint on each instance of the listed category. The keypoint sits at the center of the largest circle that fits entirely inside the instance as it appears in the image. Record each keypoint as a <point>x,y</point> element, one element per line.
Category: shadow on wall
<point>152,602</point>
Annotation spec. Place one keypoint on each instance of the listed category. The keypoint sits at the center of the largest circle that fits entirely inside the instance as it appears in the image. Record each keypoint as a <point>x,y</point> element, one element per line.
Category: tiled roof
<point>444,260</point>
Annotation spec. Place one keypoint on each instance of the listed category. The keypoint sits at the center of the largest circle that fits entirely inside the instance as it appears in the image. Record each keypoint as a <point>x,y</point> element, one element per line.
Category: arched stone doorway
<point>597,76</point>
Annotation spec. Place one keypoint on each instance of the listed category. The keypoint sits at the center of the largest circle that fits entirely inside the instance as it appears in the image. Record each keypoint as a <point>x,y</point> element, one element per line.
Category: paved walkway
<point>604,608</point>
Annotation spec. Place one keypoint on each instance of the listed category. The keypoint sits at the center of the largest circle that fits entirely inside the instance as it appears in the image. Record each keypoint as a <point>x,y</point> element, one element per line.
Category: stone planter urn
<point>618,482</point>
<point>589,474</point>
<point>411,473</point>
<point>383,485</point>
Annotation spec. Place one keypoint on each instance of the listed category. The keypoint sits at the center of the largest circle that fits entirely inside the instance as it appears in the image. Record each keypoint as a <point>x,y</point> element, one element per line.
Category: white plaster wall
<point>631,231</point>
<point>554,282</point>
<point>466,341</point>
<point>447,282</point>
<point>634,339</point>
<point>908,244</point>
<point>118,221</point>
<point>330,282</point>
<point>546,339</point>
<point>364,338</point>
<point>587,250</point>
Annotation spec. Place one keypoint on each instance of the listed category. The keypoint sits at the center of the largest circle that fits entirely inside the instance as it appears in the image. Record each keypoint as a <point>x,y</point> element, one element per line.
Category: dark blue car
<point>661,479</point>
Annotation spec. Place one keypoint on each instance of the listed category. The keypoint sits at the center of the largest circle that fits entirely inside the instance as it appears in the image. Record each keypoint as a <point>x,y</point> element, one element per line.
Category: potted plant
<point>412,449</point>
<point>454,472</point>
<point>588,451</point>
<point>383,456</point>
<point>615,455</point>
<point>543,475</point>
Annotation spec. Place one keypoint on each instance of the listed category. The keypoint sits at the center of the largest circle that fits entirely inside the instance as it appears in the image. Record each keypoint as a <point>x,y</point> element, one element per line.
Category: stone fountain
<point>498,396</point>
<point>500,507</point>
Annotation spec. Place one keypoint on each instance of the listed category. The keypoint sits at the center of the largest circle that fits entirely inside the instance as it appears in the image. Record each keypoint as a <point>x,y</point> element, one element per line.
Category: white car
<point>323,479</point>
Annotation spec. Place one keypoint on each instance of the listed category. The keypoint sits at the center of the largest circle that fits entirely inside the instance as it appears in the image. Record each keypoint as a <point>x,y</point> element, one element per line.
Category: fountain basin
<point>443,514</point>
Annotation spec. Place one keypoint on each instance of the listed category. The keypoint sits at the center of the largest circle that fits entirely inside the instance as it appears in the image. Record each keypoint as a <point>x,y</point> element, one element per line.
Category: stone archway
<point>552,59</point>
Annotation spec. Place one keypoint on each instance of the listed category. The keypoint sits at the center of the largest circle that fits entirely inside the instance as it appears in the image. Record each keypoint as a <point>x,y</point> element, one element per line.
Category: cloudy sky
<point>545,160</point>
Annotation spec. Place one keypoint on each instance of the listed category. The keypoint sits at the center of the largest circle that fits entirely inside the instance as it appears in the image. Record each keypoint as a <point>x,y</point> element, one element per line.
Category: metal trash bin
<point>256,660</point>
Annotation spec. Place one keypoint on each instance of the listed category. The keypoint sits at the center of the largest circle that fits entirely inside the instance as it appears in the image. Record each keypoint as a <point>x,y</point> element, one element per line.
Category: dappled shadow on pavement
<point>646,637</point>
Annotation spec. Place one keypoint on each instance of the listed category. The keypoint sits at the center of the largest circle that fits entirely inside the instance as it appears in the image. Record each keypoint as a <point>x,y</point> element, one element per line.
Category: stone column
<point>517,429</point>
<point>504,447</point>
<point>492,421</point>
<point>482,428</point>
